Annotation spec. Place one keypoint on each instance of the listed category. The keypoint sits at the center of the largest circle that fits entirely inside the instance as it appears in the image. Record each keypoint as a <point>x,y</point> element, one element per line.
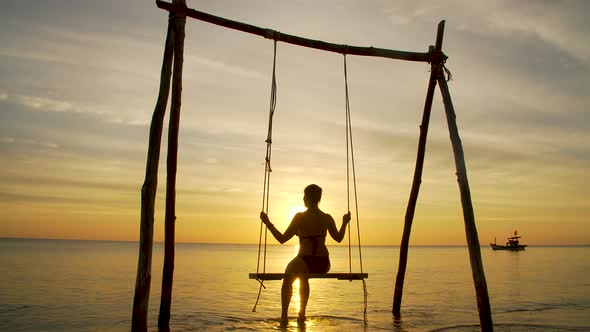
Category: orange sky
<point>77,93</point>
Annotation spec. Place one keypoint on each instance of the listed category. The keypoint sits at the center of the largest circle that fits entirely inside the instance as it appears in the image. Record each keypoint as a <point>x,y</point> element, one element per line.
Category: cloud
<point>564,26</point>
<point>45,104</point>
<point>51,181</point>
<point>35,103</point>
<point>12,140</point>
<point>49,145</point>
<point>54,105</point>
<point>75,48</point>
<point>402,13</point>
<point>224,67</point>
<point>21,53</point>
<point>131,122</point>
<point>12,197</point>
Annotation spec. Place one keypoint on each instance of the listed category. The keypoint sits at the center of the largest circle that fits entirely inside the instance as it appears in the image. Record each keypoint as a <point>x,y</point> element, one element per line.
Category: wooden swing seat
<point>339,276</point>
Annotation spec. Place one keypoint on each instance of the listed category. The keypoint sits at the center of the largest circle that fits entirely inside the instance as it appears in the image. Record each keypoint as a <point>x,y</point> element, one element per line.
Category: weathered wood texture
<point>339,276</point>
<point>178,23</point>
<point>403,253</point>
<point>148,193</point>
<point>479,279</point>
<point>296,40</point>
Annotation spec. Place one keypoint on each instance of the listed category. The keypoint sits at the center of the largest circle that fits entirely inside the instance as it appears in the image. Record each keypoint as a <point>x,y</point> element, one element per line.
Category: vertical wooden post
<point>479,279</point>
<point>403,254</point>
<point>148,194</point>
<point>178,21</point>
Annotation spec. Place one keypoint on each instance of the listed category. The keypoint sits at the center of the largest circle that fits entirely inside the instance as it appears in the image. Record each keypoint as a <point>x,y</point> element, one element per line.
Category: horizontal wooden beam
<point>339,276</point>
<point>295,40</point>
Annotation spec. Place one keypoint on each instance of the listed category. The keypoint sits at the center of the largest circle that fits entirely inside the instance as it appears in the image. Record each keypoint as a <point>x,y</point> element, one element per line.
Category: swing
<point>261,275</point>
<point>173,52</point>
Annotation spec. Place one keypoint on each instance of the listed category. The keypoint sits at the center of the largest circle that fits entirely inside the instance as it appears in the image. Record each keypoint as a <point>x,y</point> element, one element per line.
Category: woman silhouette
<point>311,226</point>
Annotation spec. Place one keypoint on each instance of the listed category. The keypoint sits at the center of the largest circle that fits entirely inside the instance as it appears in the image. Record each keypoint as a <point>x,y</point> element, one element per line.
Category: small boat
<point>512,244</point>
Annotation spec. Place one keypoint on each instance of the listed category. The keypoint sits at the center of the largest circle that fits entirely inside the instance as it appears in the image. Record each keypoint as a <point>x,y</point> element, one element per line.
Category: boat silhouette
<point>511,244</point>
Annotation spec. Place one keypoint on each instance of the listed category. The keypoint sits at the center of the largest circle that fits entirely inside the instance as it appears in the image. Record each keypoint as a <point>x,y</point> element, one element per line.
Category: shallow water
<point>52,285</point>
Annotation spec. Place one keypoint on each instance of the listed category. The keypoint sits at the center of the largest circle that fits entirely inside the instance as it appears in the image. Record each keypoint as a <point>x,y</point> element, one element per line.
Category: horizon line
<point>277,244</point>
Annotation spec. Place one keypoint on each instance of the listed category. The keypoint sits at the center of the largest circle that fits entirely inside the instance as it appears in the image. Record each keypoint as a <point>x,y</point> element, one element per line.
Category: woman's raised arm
<point>336,234</point>
<point>282,238</point>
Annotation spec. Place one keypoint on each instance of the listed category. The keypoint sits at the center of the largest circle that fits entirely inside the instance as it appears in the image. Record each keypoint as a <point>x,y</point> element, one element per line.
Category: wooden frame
<point>178,12</point>
<point>295,40</point>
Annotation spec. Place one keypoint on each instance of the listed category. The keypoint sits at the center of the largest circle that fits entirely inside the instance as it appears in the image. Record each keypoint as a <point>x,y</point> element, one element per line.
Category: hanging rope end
<point>448,72</point>
<point>259,292</point>
<point>366,300</point>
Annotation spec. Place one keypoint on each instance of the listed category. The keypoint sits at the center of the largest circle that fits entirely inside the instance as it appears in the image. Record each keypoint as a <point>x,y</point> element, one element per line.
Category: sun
<point>293,210</point>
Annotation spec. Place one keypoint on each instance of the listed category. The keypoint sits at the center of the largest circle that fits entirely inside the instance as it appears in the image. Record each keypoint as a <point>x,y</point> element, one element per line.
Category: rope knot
<point>272,34</point>
<point>436,56</point>
<point>269,33</point>
<point>439,58</point>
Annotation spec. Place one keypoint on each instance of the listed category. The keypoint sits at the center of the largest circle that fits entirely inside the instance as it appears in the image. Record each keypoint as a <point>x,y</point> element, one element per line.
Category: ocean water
<point>56,285</point>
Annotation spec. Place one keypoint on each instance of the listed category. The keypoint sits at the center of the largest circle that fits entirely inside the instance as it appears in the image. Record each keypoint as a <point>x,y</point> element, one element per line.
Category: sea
<point>66,285</point>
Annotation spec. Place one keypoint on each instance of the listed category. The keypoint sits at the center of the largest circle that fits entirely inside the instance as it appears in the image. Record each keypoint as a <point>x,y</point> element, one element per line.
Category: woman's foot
<point>284,320</point>
<point>301,318</point>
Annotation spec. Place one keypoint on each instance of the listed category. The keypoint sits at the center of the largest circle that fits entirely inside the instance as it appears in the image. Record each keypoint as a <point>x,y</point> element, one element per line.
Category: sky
<point>79,80</point>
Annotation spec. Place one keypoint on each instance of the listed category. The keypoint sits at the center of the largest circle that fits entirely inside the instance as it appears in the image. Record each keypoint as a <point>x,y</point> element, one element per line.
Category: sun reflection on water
<point>295,298</point>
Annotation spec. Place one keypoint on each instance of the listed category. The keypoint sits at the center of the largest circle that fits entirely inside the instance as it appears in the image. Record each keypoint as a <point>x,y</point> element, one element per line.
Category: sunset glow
<point>78,88</point>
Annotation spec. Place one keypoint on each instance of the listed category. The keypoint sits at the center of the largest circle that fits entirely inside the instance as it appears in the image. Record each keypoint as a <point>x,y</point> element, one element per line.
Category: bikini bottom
<point>316,264</point>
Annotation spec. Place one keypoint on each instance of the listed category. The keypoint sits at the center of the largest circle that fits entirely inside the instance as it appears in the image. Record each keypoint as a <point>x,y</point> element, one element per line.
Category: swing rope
<point>267,171</point>
<point>350,148</point>
<point>347,112</point>
<point>262,250</point>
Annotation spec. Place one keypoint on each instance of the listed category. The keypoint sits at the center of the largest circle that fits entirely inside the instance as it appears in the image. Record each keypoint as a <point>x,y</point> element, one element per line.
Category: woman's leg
<point>286,292</point>
<point>304,296</point>
<point>304,291</point>
<point>297,265</point>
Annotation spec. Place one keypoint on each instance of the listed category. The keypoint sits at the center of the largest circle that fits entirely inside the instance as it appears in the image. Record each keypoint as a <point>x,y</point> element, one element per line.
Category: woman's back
<point>312,228</point>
